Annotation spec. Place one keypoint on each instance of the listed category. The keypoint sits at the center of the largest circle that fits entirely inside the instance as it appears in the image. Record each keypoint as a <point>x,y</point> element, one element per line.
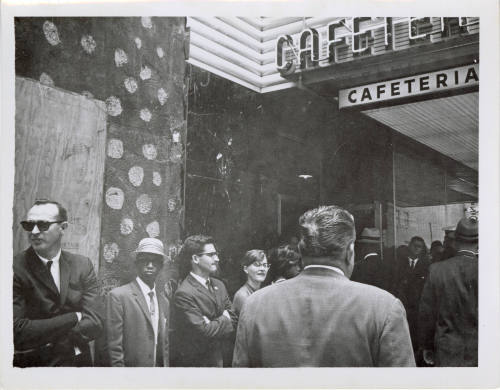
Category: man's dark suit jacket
<point>199,344</point>
<point>46,327</point>
<point>322,319</point>
<point>408,287</point>
<point>371,270</point>
<point>129,330</point>
<point>448,312</point>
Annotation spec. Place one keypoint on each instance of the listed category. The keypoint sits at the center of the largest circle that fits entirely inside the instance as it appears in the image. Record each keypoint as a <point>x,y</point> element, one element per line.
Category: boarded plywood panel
<point>60,149</point>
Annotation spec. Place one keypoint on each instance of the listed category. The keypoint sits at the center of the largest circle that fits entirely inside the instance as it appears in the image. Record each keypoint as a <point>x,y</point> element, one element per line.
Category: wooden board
<point>59,154</point>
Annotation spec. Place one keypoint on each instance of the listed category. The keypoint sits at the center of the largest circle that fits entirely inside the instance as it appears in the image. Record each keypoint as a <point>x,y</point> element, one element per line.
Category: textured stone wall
<point>137,67</point>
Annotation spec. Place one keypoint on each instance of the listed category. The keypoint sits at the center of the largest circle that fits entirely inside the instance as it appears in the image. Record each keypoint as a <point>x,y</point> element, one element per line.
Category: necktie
<point>151,303</point>
<point>49,265</point>
<point>209,285</point>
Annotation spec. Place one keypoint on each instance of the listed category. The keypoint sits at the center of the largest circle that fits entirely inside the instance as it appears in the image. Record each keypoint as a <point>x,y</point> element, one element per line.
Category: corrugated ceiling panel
<point>448,125</point>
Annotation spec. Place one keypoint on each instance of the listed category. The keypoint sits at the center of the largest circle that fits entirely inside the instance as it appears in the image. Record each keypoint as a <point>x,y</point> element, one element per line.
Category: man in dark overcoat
<point>448,314</point>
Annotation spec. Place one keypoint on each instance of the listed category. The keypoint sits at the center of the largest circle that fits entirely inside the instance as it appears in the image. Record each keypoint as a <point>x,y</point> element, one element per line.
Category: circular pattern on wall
<point>45,79</point>
<point>113,106</point>
<point>115,198</point>
<point>145,73</point>
<point>126,226</point>
<point>162,96</point>
<point>136,175</point>
<point>145,115</point>
<point>156,178</point>
<point>120,58</point>
<point>115,148</point>
<point>51,33</point>
<point>146,22</point>
<point>130,84</point>
<point>153,229</point>
<point>171,204</point>
<point>88,44</point>
<point>149,151</point>
<point>110,252</point>
<point>144,203</point>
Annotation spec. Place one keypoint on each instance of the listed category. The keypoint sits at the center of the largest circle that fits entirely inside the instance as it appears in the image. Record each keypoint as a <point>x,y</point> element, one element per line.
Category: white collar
<point>370,254</point>
<point>336,269</point>
<point>144,287</point>
<point>200,279</point>
<point>55,259</point>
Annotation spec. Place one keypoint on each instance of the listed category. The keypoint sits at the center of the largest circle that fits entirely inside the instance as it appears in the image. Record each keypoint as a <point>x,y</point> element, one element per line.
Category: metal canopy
<point>241,49</point>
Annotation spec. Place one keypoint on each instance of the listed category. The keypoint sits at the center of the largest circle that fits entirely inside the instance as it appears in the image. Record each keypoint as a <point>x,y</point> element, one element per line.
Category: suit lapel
<point>39,270</point>
<point>64,270</point>
<point>197,285</point>
<point>141,301</point>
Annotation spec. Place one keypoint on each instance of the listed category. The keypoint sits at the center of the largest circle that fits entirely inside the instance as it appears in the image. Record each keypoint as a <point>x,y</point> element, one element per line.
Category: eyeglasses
<point>209,254</point>
<point>265,265</point>
<point>42,225</point>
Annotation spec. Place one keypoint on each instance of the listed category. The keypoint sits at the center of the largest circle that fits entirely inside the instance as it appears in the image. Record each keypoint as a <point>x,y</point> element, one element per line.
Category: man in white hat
<point>137,316</point>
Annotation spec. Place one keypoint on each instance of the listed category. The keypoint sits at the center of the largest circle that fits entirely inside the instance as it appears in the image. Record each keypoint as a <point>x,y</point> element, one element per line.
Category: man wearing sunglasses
<point>56,310</point>
<point>204,320</point>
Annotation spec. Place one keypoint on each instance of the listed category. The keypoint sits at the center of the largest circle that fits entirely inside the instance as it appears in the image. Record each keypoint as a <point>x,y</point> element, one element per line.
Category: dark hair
<point>192,246</point>
<point>252,256</point>
<point>436,243</point>
<point>62,214</point>
<point>281,259</point>
<point>421,240</point>
<point>326,231</point>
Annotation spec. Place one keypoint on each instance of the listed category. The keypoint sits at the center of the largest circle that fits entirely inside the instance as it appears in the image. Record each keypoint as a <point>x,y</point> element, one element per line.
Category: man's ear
<point>350,251</point>
<point>194,259</point>
<point>245,269</point>
<point>64,225</point>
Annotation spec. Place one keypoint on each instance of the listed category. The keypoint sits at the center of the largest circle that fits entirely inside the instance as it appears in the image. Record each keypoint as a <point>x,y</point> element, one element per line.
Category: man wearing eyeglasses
<point>204,320</point>
<point>56,310</point>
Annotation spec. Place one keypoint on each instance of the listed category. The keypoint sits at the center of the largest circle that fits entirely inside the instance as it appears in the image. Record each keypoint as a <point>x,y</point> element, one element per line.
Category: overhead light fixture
<point>305,177</point>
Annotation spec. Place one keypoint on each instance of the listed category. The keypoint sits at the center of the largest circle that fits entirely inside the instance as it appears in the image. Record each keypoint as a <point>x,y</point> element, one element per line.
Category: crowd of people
<point>329,301</point>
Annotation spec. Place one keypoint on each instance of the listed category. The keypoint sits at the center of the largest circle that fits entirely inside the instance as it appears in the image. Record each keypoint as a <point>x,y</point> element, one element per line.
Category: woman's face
<point>257,271</point>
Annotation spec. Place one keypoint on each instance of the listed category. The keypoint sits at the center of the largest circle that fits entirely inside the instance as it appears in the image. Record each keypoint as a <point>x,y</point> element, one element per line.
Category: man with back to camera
<point>137,316</point>
<point>320,318</point>
<point>203,316</point>
<point>56,310</point>
<point>448,311</point>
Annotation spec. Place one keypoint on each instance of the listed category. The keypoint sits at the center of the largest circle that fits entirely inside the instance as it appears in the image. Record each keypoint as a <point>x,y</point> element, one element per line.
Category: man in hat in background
<point>369,267</point>
<point>137,315</point>
<point>56,310</point>
<point>449,304</point>
<point>448,243</point>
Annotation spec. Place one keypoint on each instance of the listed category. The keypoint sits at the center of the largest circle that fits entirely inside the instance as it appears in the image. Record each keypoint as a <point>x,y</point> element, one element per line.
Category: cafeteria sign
<point>422,84</point>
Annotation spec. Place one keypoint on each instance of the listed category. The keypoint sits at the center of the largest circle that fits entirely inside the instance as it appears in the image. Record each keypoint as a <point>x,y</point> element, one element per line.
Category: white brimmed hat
<point>369,236</point>
<point>150,245</point>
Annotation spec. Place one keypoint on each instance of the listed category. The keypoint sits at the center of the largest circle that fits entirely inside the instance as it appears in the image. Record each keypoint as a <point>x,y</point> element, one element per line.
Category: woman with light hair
<point>255,265</point>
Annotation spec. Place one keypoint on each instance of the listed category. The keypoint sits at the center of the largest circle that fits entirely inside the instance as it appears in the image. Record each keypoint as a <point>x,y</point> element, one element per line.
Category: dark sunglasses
<point>43,226</point>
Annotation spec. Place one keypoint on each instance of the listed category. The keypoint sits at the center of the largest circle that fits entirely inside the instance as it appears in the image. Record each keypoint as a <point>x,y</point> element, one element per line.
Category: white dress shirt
<point>55,270</point>
<point>200,279</point>
<point>156,317</point>
<point>337,270</point>
<point>414,261</point>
